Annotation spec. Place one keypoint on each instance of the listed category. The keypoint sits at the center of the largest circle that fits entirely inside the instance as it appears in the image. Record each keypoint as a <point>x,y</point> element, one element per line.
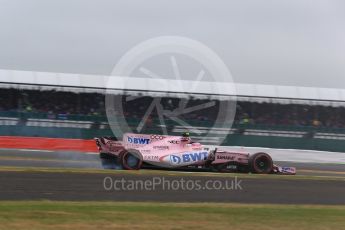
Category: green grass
<point>31,215</point>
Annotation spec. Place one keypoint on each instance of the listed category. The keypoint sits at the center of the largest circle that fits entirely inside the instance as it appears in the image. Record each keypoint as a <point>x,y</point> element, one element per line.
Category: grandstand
<point>266,116</point>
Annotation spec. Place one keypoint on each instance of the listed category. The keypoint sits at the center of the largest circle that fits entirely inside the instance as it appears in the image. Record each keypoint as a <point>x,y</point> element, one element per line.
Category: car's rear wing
<point>109,145</point>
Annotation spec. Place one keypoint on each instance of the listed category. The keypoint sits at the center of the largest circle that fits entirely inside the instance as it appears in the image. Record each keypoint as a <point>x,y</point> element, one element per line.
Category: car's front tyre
<point>260,163</point>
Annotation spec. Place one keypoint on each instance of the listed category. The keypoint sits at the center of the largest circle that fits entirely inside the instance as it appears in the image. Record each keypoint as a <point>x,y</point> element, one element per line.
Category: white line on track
<point>33,150</point>
<point>50,151</point>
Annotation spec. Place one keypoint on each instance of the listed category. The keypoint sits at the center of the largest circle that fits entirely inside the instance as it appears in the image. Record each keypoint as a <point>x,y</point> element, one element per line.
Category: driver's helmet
<point>185,137</point>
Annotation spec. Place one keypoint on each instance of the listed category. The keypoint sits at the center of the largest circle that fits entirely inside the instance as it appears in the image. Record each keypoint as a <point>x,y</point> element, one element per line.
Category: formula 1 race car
<point>137,151</point>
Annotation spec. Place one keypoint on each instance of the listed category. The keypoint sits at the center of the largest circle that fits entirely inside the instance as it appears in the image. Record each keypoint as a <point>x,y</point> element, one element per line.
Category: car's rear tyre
<point>131,159</point>
<point>260,163</point>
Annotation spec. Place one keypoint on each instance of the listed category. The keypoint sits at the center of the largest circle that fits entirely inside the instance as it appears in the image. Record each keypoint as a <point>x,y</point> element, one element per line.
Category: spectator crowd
<point>57,104</point>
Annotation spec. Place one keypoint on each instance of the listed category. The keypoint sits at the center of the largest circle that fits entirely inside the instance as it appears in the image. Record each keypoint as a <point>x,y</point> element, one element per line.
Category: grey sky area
<point>290,42</point>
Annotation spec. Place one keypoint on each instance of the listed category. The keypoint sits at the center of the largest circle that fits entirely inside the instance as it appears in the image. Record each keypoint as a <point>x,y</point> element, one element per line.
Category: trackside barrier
<point>42,143</point>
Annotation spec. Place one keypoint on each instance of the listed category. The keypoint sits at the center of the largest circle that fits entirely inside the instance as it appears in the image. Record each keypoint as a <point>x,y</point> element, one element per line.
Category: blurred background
<point>260,122</point>
<point>267,45</point>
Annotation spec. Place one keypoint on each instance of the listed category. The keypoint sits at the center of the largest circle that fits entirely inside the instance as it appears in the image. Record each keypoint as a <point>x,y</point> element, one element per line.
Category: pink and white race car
<point>137,151</point>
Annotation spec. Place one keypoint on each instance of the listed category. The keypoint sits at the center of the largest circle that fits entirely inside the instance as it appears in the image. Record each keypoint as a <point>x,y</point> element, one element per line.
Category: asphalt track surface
<point>326,186</point>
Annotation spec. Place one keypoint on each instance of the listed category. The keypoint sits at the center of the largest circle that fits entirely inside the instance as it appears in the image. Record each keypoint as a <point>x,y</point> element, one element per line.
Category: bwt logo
<point>175,159</point>
<point>138,140</point>
<point>188,157</point>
